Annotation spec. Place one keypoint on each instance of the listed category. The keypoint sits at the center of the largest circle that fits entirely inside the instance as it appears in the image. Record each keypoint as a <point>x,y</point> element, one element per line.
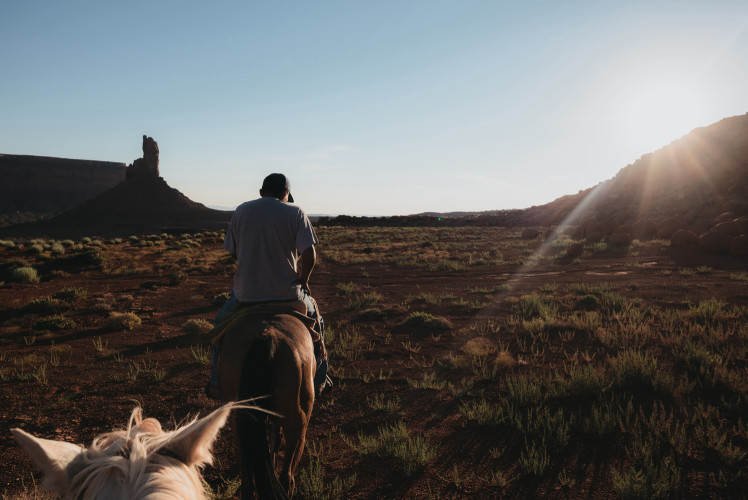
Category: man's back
<point>267,236</point>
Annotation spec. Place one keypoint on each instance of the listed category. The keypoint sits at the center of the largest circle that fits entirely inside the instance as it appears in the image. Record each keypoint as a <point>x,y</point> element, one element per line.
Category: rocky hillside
<point>694,190</point>
<point>50,186</point>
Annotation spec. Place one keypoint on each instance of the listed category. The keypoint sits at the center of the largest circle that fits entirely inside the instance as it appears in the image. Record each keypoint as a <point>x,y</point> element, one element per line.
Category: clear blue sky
<point>378,107</point>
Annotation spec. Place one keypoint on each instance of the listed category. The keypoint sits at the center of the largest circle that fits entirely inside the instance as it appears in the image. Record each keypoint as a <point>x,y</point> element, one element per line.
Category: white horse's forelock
<point>133,464</point>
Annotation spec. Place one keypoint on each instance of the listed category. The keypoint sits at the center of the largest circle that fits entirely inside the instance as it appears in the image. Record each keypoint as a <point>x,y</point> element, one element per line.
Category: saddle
<point>244,311</point>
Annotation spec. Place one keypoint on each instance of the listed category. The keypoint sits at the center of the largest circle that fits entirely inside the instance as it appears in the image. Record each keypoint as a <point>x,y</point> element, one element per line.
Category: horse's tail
<point>256,381</point>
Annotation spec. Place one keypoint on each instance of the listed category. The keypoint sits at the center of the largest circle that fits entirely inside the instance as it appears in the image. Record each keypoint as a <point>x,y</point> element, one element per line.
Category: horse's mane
<point>137,462</point>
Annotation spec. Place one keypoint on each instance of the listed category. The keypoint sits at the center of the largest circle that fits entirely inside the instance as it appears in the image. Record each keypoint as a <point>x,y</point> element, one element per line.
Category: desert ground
<point>467,362</point>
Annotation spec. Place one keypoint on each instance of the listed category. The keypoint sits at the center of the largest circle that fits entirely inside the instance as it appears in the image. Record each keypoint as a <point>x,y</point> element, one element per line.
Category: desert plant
<point>100,344</point>
<point>71,294</point>
<point>615,303</point>
<point>584,380</point>
<point>709,311</point>
<point>378,401</point>
<point>361,301</point>
<point>532,306</point>
<point>348,344</point>
<point>197,326</point>
<point>47,305</point>
<point>634,369</point>
<point>422,321</point>
<point>428,381</point>
<point>347,288</point>
<point>54,323</point>
<point>313,483</point>
<point>24,275</point>
<point>57,249</point>
<point>482,411</point>
<point>201,354</point>
<point>122,321</point>
<point>395,441</point>
<point>534,459</point>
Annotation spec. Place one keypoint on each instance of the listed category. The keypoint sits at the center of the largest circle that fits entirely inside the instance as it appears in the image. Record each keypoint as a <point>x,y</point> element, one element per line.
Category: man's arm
<point>308,259</point>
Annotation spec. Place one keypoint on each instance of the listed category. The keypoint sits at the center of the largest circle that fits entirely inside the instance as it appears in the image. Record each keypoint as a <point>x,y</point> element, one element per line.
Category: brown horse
<point>266,353</point>
<point>142,462</point>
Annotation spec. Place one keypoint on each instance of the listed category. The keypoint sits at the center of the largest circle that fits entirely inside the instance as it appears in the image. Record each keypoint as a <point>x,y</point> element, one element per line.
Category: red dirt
<point>89,392</point>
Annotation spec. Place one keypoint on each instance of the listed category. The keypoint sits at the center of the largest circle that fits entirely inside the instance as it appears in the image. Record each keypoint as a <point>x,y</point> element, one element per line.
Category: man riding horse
<point>267,236</point>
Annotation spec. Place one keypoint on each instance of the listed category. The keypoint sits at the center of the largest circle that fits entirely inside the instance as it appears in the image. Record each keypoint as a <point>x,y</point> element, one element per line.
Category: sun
<point>658,111</point>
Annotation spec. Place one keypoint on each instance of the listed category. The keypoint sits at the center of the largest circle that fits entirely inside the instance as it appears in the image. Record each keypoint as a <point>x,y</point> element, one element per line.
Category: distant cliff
<point>135,200</point>
<point>45,185</point>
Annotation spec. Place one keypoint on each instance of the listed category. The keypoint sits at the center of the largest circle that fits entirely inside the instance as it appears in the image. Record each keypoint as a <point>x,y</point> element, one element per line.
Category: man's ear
<point>193,443</point>
<point>52,457</point>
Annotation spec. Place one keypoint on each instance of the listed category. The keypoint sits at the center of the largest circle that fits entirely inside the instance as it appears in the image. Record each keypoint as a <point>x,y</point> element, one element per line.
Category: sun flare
<point>657,112</point>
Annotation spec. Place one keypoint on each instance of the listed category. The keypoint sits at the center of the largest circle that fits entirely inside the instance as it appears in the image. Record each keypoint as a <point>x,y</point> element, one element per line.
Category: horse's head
<point>141,462</point>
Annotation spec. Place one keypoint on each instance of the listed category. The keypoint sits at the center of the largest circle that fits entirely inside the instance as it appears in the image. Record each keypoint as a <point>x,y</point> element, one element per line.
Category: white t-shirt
<point>267,236</point>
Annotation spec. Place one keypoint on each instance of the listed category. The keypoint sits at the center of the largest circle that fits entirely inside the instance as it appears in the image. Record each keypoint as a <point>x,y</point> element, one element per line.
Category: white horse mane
<point>140,462</point>
<point>132,460</point>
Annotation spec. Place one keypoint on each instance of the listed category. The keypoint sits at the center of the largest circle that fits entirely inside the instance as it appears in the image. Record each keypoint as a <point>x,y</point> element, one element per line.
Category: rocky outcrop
<point>147,166</point>
<point>143,204</point>
<point>683,237</point>
<point>716,241</point>
<point>50,185</point>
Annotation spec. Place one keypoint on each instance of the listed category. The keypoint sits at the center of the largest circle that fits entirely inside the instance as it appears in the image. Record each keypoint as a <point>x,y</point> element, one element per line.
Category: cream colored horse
<point>140,462</point>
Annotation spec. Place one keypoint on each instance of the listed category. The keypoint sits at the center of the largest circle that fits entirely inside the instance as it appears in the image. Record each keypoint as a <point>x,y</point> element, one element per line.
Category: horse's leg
<point>297,410</point>
<point>294,431</point>
<point>275,439</point>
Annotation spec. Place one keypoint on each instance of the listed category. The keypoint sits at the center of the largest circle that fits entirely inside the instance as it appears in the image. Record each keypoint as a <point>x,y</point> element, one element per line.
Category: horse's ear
<point>192,444</point>
<point>52,457</point>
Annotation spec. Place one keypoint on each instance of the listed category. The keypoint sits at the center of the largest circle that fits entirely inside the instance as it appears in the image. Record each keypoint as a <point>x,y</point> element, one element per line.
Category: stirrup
<point>325,386</point>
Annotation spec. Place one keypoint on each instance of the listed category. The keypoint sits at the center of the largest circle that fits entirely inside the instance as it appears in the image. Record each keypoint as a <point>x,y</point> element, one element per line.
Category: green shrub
<point>533,306</point>
<point>614,303</point>
<point>54,323</point>
<point>634,369</point>
<point>588,303</point>
<point>347,288</point>
<point>395,441</point>
<point>71,294</point>
<point>35,249</point>
<point>314,484</point>
<point>24,275</point>
<point>121,321</point>
<point>197,326</point>
<point>361,301</point>
<point>425,321</point>
<point>58,249</point>
<point>47,305</point>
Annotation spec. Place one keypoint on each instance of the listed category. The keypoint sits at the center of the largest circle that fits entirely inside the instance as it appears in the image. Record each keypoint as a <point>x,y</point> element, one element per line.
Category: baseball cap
<point>276,183</point>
